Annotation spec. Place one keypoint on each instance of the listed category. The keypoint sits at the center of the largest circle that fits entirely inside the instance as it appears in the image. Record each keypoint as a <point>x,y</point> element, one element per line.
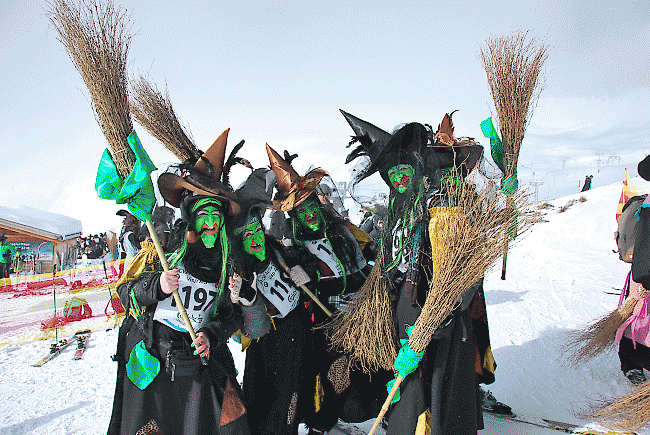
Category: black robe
<point>185,397</point>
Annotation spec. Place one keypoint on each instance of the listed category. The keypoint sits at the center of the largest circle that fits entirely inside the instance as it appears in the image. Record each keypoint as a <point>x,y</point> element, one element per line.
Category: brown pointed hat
<point>292,188</point>
<point>203,178</point>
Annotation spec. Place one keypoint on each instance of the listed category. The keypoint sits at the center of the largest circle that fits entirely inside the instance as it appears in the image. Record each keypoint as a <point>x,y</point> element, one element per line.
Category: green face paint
<point>253,240</point>
<point>207,223</point>
<point>400,177</point>
<point>309,215</point>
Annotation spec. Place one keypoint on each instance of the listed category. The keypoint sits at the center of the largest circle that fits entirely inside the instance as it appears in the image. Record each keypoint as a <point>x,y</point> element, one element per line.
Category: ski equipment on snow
<point>82,342</point>
<point>57,348</point>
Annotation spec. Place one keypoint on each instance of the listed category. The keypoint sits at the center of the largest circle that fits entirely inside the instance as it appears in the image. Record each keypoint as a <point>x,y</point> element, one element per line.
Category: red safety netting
<point>84,298</point>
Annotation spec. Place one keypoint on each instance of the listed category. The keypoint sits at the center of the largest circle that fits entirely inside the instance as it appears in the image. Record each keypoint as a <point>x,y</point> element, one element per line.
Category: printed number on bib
<point>197,296</point>
<point>278,289</point>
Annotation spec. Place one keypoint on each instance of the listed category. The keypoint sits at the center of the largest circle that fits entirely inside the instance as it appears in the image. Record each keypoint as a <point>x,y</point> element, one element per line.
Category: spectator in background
<point>587,184</point>
<point>7,253</point>
<point>128,242</point>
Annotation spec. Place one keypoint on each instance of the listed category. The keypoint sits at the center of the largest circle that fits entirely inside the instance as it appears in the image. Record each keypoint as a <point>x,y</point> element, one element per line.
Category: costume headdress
<point>203,178</point>
<point>292,188</point>
<point>415,144</point>
<point>254,196</point>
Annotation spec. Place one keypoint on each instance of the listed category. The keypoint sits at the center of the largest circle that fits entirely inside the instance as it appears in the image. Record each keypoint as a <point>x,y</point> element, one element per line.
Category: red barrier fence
<point>84,297</point>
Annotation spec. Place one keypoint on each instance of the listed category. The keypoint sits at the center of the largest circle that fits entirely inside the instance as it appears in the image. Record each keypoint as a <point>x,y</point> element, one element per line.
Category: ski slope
<point>557,278</point>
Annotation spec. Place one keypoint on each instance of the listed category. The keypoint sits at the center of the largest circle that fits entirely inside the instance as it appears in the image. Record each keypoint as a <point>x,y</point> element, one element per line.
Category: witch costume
<point>441,392</point>
<point>269,276</point>
<point>163,385</point>
<point>328,241</point>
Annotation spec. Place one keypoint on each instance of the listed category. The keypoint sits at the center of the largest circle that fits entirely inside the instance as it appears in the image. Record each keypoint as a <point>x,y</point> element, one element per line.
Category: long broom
<point>96,37</point>
<point>513,65</point>
<point>463,252</point>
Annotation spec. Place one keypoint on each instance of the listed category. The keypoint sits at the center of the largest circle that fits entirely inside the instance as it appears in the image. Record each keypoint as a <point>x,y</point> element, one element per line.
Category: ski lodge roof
<point>24,222</point>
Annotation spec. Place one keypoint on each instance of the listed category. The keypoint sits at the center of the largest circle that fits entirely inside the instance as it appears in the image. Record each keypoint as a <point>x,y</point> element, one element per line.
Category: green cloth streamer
<point>496,146</point>
<point>142,367</point>
<point>509,185</point>
<point>137,189</point>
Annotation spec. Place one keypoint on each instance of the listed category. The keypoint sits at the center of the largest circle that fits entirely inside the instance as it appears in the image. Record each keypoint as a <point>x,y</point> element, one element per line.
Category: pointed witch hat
<point>203,178</point>
<point>371,139</point>
<point>292,188</point>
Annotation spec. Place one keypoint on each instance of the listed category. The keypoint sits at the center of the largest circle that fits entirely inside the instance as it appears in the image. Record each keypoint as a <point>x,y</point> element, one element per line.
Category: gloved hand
<point>299,276</point>
<point>245,296</point>
<point>406,362</point>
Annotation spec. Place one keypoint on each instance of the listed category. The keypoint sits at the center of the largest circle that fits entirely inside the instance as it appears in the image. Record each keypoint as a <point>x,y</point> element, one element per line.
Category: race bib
<point>322,249</point>
<point>278,289</point>
<point>198,298</point>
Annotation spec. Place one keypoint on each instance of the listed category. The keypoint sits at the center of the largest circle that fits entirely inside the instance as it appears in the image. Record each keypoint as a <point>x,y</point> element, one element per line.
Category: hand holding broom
<point>96,37</point>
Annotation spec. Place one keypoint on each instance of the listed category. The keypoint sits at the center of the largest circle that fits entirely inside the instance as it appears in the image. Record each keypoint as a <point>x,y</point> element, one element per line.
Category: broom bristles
<point>96,37</point>
<point>597,337</point>
<point>365,331</point>
<point>155,113</point>
<point>629,412</point>
<point>513,67</point>
<point>469,250</point>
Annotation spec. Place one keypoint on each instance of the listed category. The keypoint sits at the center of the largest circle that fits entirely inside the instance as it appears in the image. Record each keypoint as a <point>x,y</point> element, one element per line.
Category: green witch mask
<point>310,215</point>
<point>401,176</point>
<point>207,220</point>
<point>253,239</point>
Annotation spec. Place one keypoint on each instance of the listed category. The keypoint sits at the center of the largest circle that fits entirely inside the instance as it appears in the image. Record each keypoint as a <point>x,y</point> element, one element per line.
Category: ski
<point>82,341</point>
<point>55,349</point>
<point>561,426</point>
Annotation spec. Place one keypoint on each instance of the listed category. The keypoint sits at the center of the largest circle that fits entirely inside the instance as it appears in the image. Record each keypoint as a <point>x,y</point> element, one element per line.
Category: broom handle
<point>177,297</point>
<point>505,241</point>
<point>386,404</point>
<point>304,288</point>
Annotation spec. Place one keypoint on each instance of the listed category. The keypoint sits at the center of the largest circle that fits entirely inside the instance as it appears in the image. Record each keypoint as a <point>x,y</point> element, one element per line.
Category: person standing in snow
<point>634,335</point>
<point>166,382</point>
<point>128,241</point>
<point>439,392</point>
<point>329,242</point>
<point>7,254</point>
<point>276,362</point>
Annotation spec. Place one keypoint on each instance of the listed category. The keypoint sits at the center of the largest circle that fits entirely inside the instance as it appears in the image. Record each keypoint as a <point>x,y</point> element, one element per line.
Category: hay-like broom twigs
<point>365,331</point>
<point>96,36</point>
<point>471,247</point>
<point>599,336</point>
<point>513,66</point>
<point>627,413</point>
<point>154,111</point>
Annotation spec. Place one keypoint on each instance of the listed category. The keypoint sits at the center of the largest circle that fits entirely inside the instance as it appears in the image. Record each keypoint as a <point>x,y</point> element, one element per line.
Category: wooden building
<point>44,239</point>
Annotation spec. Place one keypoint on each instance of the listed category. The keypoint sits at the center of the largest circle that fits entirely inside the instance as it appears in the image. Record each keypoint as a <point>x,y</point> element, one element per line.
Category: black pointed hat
<point>371,139</point>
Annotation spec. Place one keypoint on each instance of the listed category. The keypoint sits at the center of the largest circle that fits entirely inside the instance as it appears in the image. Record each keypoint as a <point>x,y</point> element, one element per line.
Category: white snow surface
<point>557,278</point>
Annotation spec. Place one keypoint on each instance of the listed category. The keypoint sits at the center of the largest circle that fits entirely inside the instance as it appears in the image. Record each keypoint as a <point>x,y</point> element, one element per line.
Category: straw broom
<point>155,113</point>
<point>96,37</point>
<point>629,412</point>
<point>599,336</point>
<point>513,67</point>
<point>464,252</point>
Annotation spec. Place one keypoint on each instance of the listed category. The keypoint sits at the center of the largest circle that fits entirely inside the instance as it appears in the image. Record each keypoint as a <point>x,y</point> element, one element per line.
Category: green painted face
<point>401,176</point>
<point>207,223</point>
<point>253,239</point>
<point>309,215</point>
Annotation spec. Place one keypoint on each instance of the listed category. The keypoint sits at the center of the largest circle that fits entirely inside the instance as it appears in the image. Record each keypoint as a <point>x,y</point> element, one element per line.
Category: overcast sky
<point>278,72</point>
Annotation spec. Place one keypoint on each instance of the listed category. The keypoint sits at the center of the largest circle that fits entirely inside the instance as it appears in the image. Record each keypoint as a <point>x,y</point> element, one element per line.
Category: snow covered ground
<point>557,279</point>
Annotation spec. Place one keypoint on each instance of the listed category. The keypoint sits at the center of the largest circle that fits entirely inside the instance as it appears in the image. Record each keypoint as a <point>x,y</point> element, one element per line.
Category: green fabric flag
<point>496,146</point>
<point>137,189</point>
